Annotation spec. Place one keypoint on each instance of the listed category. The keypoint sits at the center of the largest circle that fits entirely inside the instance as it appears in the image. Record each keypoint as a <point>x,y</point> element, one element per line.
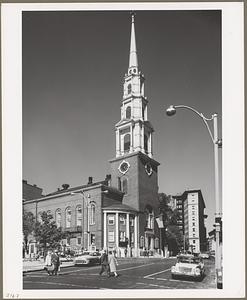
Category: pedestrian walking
<point>56,262</point>
<point>104,264</point>
<point>125,252</point>
<point>49,267</point>
<point>112,263</point>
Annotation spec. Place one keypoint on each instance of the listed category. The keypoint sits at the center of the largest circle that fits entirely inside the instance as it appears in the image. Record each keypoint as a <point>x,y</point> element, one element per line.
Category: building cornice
<point>139,153</point>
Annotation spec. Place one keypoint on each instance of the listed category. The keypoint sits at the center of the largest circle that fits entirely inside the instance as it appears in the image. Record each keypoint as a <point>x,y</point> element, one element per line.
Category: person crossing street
<point>113,263</point>
<point>56,262</point>
<point>104,264</point>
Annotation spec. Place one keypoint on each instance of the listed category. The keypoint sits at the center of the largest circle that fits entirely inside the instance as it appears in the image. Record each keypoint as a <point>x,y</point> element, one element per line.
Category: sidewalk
<point>38,265</point>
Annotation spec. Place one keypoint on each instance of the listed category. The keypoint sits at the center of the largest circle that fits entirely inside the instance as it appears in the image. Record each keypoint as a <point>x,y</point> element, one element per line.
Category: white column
<point>136,234</point>
<point>128,231</point>
<point>105,220</point>
<point>131,138</point>
<point>152,244</point>
<point>142,138</point>
<point>128,226</point>
<point>117,230</point>
<point>150,145</point>
<point>117,143</point>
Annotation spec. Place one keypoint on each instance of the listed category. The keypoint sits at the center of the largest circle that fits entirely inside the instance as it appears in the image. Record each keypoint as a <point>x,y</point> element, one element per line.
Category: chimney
<point>90,180</point>
<point>108,179</point>
<point>65,186</point>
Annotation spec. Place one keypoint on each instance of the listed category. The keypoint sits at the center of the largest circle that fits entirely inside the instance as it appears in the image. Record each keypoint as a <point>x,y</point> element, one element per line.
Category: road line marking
<point>135,267</point>
<point>157,273</point>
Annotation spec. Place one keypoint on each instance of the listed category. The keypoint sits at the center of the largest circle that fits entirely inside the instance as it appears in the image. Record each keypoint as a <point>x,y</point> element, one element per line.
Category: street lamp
<point>82,223</point>
<point>217,144</point>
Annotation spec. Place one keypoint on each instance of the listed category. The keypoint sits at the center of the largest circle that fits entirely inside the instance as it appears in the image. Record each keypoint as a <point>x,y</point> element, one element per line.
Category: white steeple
<point>133,131</point>
<point>133,62</point>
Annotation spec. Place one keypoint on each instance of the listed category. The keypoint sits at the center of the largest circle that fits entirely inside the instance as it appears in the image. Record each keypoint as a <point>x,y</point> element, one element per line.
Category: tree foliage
<point>46,232</point>
<point>28,225</point>
<point>171,235</point>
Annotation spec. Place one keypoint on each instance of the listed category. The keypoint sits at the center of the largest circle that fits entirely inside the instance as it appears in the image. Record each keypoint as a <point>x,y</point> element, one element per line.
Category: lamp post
<point>217,144</point>
<point>82,223</point>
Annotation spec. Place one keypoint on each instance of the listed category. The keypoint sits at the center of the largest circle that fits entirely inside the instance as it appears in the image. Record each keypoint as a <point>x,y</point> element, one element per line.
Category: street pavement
<point>135,273</point>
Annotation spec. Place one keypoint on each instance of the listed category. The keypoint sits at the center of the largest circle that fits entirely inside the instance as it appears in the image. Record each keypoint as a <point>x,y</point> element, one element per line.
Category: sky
<point>73,66</point>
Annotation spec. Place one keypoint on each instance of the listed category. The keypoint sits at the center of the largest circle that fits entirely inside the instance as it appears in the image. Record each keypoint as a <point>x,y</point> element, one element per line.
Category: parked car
<point>188,266</point>
<point>87,258</point>
<point>204,255</point>
<point>66,258</point>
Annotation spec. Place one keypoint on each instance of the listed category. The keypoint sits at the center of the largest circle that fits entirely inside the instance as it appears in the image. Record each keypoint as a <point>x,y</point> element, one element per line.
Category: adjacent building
<point>190,207</point>
<point>194,225</point>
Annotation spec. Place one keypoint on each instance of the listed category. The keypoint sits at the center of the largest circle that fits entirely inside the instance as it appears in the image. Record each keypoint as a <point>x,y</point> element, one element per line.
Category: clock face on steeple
<point>124,167</point>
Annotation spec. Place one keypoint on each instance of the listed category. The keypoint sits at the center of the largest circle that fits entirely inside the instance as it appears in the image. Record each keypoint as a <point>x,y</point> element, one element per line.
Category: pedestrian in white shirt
<point>48,263</point>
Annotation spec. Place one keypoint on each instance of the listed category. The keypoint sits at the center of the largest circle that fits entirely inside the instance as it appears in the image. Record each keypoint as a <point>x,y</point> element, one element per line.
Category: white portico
<point>121,229</point>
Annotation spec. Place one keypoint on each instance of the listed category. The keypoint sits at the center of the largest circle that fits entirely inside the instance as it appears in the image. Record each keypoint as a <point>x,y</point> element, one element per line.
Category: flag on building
<point>159,221</point>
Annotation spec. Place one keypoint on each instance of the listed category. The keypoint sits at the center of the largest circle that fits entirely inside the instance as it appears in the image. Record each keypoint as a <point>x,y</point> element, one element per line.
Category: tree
<point>170,234</point>
<point>175,238</point>
<point>28,225</point>
<point>47,233</point>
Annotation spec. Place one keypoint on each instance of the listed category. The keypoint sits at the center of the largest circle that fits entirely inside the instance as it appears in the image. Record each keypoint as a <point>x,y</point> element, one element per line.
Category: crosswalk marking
<point>150,275</point>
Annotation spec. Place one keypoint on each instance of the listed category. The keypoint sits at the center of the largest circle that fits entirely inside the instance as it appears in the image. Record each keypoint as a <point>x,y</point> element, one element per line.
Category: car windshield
<point>189,260</point>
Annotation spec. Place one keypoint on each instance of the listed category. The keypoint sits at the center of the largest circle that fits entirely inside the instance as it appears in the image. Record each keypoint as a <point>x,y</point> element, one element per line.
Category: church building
<point>118,212</point>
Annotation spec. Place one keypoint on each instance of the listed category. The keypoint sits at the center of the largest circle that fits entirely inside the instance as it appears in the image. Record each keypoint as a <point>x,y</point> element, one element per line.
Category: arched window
<point>146,143</point>
<point>128,112</point>
<point>126,142</point>
<point>91,214</point>
<point>129,88</point>
<point>78,216</point>
<point>68,217</point>
<point>58,217</point>
<point>143,111</point>
<point>125,185</point>
<point>156,243</point>
<point>142,241</point>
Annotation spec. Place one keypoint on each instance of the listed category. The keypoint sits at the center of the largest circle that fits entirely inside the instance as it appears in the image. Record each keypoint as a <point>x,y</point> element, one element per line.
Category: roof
<point>120,206</point>
<point>75,188</point>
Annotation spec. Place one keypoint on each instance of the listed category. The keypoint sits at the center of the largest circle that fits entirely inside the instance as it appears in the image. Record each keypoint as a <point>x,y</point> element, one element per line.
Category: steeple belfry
<point>133,131</point>
<point>133,62</point>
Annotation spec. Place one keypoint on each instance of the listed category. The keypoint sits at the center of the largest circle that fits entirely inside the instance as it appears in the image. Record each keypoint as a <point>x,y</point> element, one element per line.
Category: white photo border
<point>233,150</point>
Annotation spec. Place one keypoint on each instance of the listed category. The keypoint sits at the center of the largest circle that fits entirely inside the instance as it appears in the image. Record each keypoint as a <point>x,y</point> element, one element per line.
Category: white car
<point>188,266</point>
<point>204,255</point>
<point>87,258</point>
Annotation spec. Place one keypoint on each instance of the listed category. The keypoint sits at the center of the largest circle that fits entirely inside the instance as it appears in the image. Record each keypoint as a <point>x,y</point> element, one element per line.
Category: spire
<point>133,54</point>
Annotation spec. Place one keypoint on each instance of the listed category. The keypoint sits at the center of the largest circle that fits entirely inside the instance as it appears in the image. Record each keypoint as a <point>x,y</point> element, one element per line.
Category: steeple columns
<point>133,131</point>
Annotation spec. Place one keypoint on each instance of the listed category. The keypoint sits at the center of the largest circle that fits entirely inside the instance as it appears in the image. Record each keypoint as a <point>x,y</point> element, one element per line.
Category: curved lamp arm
<point>172,110</point>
